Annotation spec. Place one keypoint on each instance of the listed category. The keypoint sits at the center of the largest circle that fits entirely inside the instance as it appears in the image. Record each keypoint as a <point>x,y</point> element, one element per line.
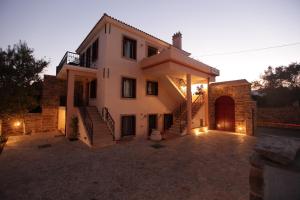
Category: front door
<point>168,121</point>
<point>225,116</point>
<point>152,123</point>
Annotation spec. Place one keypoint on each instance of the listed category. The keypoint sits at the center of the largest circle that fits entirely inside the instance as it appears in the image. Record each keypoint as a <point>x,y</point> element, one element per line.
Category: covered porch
<point>187,76</point>
<point>81,90</point>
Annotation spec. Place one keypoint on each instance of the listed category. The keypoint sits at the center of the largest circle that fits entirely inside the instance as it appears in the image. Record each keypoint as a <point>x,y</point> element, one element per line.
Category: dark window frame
<point>133,125</point>
<point>95,50</point>
<point>151,48</point>
<point>82,60</point>
<point>154,91</point>
<point>133,54</point>
<point>93,89</point>
<point>133,96</point>
<point>88,57</point>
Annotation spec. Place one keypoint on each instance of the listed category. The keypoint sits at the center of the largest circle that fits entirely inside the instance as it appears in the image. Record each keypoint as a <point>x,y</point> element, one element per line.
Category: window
<point>128,88</point>
<point>88,57</point>
<point>129,48</point>
<point>82,57</point>
<point>95,50</point>
<point>152,88</point>
<point>152,51</point>
<point>128,125</point>
<point>62,100</point>
<point>93,89</point>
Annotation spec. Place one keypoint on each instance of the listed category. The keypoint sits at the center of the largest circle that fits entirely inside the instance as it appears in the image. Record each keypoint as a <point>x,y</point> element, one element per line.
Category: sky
<point>209,28</point>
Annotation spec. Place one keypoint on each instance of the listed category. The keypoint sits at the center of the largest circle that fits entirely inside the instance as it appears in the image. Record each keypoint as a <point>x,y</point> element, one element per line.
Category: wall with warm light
<point>244,106</point>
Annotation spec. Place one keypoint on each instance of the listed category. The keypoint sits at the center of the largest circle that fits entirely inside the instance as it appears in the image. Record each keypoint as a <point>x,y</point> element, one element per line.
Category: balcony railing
<point>69,58</point>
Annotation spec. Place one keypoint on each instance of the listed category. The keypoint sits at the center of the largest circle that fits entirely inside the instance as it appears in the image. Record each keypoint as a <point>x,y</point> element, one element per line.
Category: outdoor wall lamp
<point>17,124</point>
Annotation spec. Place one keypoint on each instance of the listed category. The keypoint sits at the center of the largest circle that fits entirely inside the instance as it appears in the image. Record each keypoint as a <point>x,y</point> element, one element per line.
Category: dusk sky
<point>209,29</point>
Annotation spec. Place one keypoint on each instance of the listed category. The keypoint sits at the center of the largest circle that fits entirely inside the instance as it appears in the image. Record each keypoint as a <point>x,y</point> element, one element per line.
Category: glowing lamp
<point>17,123</point>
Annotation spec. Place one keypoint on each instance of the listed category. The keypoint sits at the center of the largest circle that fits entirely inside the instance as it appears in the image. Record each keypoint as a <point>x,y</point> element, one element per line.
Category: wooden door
<point>224,114</point>
<point>168,121</point>
<point>152,123</point>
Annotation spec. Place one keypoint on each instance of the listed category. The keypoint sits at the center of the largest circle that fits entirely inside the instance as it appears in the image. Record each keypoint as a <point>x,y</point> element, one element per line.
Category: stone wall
<point>275,169</point>
<point>284,117</point>
<point>245,107</point>
<point>53,89</point>
<point>46,121</point>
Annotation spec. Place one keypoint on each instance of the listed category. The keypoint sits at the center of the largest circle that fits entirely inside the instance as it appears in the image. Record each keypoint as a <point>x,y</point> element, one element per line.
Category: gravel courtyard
<point>210,166</point>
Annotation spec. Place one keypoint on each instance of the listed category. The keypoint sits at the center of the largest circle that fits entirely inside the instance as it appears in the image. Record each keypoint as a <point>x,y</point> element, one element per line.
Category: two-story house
<point>127,82</point>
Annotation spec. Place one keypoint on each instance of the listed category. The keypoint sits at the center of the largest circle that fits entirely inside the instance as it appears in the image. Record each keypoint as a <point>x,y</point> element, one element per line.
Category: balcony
<point>69,58</point>
<point>71,63</point>
<point>173,60</point>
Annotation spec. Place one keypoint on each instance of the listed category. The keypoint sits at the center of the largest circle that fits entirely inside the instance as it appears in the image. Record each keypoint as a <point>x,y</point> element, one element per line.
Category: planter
<point>155,135</point>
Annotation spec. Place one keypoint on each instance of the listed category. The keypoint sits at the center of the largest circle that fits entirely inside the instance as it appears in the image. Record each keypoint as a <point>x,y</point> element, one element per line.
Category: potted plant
<point>74,126</point>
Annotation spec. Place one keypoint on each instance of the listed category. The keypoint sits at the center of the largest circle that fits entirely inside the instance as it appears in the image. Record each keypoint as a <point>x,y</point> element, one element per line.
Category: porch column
<point>206,106</point>
<point>70,101</point>
<point>85,92</point>
<point>189,103</point>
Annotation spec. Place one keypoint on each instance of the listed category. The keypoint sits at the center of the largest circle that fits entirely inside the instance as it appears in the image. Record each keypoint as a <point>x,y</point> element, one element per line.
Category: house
<point>124,82</point>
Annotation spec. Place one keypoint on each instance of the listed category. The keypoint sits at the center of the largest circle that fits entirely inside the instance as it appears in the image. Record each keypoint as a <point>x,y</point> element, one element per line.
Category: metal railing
<point>181,112</point>
<point>88,123</point>
<point>109,121</point>
<point>69,58</point>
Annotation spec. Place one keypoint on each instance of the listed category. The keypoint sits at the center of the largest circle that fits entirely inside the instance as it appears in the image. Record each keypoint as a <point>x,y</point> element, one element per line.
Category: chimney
<point>177,40</point>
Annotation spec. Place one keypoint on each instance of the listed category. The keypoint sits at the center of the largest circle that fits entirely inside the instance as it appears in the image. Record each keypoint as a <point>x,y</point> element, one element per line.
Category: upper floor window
<point>129,48</point>
<point>88,57</point>
<point>152,88</point>
<point>82,59</point>
<point>152,51</point>
<point>128,88</point>
<point>95,50</point>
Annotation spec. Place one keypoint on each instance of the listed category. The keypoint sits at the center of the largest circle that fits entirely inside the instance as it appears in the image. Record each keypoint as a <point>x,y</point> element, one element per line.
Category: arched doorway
<point>224,114</point>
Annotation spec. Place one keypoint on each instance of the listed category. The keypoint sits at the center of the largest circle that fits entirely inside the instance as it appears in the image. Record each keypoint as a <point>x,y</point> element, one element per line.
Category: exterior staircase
<point>180,115</point>
<point>101,134</point>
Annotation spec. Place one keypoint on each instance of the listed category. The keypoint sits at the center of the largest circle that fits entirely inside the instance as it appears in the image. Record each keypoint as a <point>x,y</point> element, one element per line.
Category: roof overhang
<point>108,19</point>
<point>173,61</point>
<point>79,71</point>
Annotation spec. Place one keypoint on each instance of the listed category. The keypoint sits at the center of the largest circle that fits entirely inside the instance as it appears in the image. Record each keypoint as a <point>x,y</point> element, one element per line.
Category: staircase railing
<point>181,112</point>
<point>109,121</point>
<point>88,123</point>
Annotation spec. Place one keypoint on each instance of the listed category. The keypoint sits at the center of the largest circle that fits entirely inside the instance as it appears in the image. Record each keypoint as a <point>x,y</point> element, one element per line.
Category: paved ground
<point>291,133</point>
<point>210,166</point>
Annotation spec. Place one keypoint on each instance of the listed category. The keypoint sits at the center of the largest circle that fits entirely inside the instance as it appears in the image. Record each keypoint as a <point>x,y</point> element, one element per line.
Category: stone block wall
<point>283,117</point>
<point>245,107</point>
<point>46,121</point>
<point>53,89</point>
<point>275,169</point>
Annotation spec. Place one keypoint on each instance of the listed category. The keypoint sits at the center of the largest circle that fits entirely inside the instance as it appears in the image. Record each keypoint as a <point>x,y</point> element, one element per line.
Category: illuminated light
<point>240,128</point>
<point>197,132</point>
<point>183,88</point>
<point>218,125</point>
<point>200,131</point>
<point>17,123</point>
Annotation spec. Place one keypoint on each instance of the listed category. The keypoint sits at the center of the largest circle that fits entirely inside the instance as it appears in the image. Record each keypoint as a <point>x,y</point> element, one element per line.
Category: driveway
<point>210,166</point>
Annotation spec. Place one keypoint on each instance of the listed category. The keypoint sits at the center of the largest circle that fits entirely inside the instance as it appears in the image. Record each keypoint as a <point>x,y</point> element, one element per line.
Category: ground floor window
<point>128,125</point>
<point>168,121</point>
<point>93,89</point>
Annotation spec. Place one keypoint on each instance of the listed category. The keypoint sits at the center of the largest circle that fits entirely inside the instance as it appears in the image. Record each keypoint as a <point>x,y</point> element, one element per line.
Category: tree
<point>20,81</point>
<point>278,86</point>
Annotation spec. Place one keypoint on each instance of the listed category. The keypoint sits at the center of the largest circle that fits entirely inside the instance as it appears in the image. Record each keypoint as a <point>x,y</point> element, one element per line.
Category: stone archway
<point>225,114</point>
